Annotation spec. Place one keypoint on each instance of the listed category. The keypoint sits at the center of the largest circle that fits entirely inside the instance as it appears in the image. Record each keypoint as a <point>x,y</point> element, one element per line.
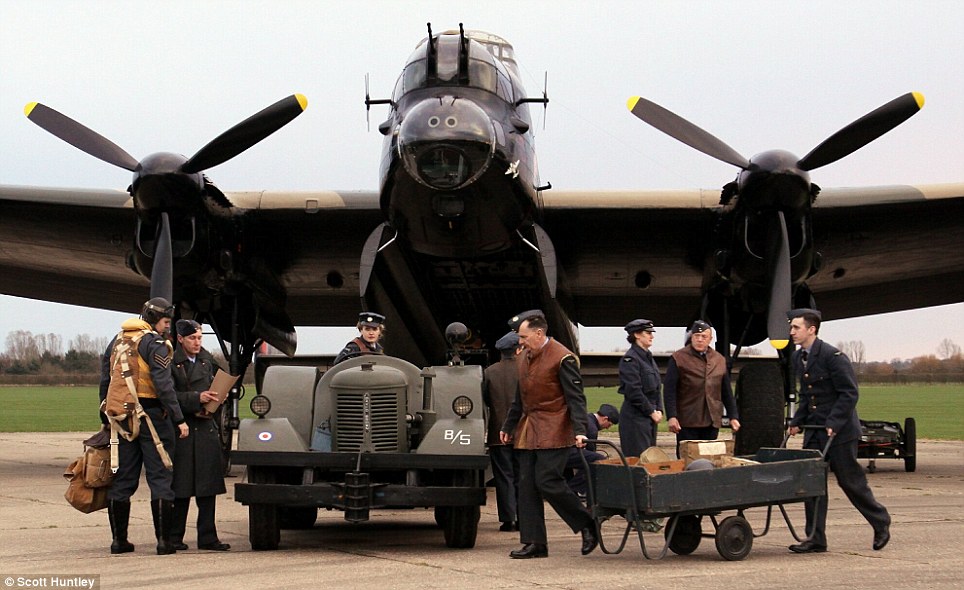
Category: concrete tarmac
<point>41,535</point>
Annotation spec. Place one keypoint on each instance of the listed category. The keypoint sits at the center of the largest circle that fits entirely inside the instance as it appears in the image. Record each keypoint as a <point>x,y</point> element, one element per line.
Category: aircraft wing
<point>626,254</point>
<point>72,246</point>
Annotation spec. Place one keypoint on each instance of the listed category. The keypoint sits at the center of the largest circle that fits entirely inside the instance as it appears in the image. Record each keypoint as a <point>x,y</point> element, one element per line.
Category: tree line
<point>47,354</point>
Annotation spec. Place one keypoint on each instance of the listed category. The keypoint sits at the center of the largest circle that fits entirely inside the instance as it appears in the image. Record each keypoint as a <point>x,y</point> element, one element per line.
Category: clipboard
<point>222,384</point>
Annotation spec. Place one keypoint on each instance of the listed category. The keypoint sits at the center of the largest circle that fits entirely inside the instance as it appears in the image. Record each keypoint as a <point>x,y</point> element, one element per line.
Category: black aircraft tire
<point>910,445</point>
<point>734,538</point>
<point>686,536</point>
<point>461,526</point>
<point>759,398</point>
<point>226,437</point>
<point>264,534</point>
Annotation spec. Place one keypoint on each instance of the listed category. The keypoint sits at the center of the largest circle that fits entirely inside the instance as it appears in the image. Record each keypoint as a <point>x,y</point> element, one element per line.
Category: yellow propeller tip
<point>29,108</point>
<point>919,98</point>
<point>779,344</point>
<point>631,103</point>
<point>302,100</point>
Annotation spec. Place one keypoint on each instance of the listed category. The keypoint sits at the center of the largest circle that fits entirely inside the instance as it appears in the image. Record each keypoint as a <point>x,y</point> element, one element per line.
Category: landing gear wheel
<point>759,398</point>
<point>910,445</point>
<point>734,538</point>
<point>225,436</point>
<point>264,534</point>
<point>687,536</point>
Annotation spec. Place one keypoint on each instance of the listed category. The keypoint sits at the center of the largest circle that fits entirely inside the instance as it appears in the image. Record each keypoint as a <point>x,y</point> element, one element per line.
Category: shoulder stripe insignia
<point>162,360</point>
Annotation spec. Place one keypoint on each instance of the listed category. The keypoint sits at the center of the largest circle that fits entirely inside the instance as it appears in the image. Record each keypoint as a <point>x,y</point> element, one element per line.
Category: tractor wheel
<point>264,533</point>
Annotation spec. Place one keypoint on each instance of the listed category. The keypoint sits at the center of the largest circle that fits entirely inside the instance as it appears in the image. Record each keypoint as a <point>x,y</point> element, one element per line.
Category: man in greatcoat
<point>500,381</point>
<point>639,384</point>
<point>828,399</point>
<point>198,463</point>
<point>547,417</point>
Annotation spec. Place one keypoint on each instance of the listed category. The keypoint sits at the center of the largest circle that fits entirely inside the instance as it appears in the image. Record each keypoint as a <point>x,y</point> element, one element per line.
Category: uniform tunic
<point>164,412</point>
<point>828,397</point>
<point>358,347</point>
<point>639,384</point>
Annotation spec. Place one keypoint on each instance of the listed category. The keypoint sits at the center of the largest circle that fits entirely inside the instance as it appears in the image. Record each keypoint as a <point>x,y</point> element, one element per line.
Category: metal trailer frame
<point>783,476</point>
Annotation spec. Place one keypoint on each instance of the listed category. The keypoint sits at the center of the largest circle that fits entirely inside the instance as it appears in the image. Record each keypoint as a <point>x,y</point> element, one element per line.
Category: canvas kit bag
<point>89,476</point>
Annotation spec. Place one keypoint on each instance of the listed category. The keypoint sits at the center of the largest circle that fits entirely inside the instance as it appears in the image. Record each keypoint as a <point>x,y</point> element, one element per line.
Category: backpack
<point>121,406</point>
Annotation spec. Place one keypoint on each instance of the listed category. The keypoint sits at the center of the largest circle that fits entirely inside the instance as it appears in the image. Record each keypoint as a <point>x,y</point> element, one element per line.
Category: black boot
<point>163,511</point>
<point>119,514</point>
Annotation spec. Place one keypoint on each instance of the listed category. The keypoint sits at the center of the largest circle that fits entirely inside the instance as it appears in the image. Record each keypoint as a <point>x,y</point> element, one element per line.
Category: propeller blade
<point>162,273</point>
<point>79,136</point>
<point>681,129</point>
<point>246,133</point>
<point>778,256</point>
<point>863,131</point>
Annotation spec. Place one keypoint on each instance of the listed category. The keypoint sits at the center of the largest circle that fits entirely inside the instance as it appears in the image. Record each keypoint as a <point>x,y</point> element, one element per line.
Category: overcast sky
<point>170,76</point>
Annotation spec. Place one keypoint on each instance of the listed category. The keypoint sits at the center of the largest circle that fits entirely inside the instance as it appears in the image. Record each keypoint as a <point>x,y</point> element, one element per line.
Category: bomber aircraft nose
<point>446,143</point>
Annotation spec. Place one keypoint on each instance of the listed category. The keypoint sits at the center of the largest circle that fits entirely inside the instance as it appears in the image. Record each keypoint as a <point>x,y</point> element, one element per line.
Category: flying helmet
<point>156,308</point>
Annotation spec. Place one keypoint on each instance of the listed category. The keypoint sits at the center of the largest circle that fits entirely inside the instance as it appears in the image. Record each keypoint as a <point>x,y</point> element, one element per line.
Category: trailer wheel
<point>910,445</point>
<point>686,536</point>
<point>734,538</point>
<point>759,399</point>
<point>264,534</point>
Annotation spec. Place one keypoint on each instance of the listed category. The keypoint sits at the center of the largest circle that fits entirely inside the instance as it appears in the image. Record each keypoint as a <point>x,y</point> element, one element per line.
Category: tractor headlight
<point>462,406</point>
<point>260,406</point>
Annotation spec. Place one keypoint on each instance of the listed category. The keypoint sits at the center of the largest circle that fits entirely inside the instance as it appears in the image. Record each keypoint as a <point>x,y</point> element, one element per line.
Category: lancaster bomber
<point>462,228</point>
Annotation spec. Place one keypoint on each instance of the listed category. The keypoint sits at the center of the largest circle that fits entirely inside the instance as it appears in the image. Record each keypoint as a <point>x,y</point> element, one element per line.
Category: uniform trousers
<point>853,481</point>
<point>505,473</point>
<point>141,451</point>
<point>541,478</point>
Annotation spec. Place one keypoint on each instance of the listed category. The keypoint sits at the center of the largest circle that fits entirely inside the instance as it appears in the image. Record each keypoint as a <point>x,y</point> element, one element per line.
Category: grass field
<point>938,409</point>
<point>56,409</point>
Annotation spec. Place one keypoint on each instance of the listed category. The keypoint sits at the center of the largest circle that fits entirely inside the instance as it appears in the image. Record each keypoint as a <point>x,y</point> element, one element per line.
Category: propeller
<point>778,270</point>
<point>162,271</point>
<point>224,147</point>
<point>79,136</point>
<point>842,143</point>
<point>679,128</point>
<point>863,131</point>
<point>229,144</point>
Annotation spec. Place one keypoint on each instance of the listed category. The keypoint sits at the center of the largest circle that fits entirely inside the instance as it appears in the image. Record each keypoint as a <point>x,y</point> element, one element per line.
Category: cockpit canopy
<point>491,66</point>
